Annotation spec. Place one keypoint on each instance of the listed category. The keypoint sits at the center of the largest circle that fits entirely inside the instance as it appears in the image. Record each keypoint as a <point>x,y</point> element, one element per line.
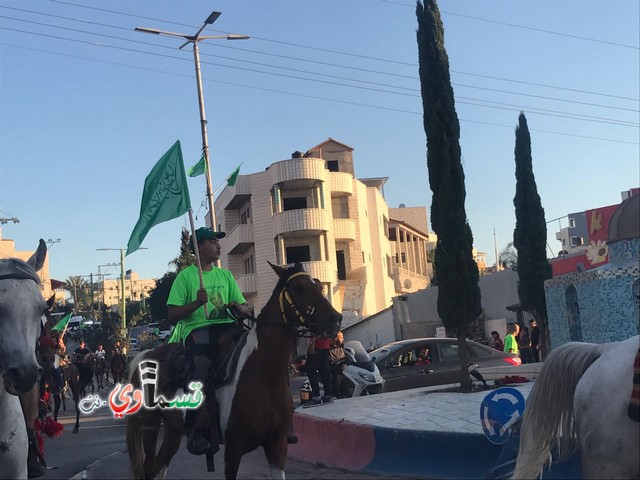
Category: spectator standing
<point>510,342</point>
<point>336,355</point>
<point>524,345</point>
<point>318,366</point>
<point>535,341</point>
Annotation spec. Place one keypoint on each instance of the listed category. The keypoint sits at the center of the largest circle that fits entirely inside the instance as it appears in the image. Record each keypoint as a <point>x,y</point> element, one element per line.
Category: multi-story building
<point>107,290</point>
<point>312,209</point>
<point>8,250</point>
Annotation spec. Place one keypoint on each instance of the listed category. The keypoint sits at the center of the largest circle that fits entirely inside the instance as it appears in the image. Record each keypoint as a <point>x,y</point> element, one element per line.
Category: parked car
<point>401,368</point>
<point>164,334</point>
<point>133,343</point>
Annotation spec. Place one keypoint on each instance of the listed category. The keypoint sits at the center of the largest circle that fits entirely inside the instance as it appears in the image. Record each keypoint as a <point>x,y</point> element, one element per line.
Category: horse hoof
<point>75,430</point>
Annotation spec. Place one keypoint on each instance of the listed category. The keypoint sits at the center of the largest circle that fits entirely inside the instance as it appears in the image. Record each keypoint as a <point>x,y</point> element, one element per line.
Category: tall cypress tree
<point>458,291</point>
<point>530,235</point>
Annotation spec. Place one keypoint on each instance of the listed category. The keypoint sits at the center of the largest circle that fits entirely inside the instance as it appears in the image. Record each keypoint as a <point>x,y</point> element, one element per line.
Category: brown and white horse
<point>256,404</point>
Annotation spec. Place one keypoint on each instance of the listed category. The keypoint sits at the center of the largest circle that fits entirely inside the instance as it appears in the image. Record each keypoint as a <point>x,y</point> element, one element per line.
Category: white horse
<point>580,399</point>
<point>21,312</point>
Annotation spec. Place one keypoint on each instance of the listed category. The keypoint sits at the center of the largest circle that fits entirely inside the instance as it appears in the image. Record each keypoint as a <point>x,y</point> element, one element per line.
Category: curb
<point>388,451</point>
<point>84,474</point>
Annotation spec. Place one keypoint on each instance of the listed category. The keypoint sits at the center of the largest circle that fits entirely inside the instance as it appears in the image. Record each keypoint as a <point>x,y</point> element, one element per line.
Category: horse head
<point>302,303</point>
<point>21,320</point>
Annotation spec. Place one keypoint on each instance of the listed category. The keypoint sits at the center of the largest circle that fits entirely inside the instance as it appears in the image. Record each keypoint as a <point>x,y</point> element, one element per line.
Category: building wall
<point>8,250</point>
<point>608,306</point>
<point>375,332</point>
<point>414,216</point>
<point>108,291</point>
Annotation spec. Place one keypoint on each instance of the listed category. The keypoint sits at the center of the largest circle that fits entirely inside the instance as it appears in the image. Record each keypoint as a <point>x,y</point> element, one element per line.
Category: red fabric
<point>322,343</point>
<point>507,379</point>
<point>47,342</point>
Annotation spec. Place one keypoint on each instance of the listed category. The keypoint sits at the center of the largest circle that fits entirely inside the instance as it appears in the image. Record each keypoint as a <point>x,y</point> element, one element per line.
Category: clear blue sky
<point>88,106</point>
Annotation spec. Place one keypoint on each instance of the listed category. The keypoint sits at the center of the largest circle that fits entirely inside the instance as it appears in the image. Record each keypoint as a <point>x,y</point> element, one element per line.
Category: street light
<point>51,242</point>
<point>123,304</point>
<point>194,39</point>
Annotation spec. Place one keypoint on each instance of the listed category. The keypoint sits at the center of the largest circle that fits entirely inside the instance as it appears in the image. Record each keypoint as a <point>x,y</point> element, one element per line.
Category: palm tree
<point>74,285</point>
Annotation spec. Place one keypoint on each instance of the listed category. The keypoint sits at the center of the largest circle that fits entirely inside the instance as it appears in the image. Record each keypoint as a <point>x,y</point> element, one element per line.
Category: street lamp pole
<point>123,303</point>
<point>194,39</point>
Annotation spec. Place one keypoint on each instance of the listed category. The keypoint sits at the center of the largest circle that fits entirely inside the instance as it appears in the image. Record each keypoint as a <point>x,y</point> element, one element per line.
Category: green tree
<point>160,293</point>
<point>508,257</point>
<point>458,291</point>
<point>530,235</point>
<point>75,286</point>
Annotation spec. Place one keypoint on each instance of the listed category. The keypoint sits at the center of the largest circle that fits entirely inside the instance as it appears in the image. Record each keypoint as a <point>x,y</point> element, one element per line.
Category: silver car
<point>402,366</point>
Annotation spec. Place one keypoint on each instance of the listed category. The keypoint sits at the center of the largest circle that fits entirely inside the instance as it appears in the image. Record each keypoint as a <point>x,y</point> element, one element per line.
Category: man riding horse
<point>200,333</point>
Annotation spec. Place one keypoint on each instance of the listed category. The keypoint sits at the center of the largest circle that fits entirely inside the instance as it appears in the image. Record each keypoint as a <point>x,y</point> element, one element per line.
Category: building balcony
<point>344,229</point>
<point>234,197</point>
<point>302,220</point>
<point>407,281</point>
<point>302,171</point>
<point>341,184</point>
<point>248,283</point>
<point>320,269</point>
<point>240,239</point>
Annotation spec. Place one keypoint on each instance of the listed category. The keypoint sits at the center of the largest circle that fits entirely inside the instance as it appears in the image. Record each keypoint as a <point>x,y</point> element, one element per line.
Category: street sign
<point>499,411</point>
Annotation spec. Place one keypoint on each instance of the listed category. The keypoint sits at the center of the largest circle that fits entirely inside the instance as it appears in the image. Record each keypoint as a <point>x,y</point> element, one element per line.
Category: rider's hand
<point>202,296</point>
<point>240,311</point>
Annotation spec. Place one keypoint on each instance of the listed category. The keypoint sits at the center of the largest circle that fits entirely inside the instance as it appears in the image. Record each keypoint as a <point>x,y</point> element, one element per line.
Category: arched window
<point>573,314</point>
<point>636,303</point>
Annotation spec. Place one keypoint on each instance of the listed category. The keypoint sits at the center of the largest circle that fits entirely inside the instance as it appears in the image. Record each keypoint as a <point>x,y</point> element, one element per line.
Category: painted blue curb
<point>432,454</point>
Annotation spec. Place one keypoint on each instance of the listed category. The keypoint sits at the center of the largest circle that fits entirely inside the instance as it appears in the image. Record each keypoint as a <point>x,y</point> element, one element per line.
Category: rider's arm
<point>176,313</point>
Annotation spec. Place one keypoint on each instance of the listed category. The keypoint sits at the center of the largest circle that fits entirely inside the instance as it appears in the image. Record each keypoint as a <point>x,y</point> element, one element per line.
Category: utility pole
<point>495,246</point>
<point>194,39</point>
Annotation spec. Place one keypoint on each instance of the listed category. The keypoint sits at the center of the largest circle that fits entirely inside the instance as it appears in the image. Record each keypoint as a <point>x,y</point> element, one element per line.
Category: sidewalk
<point>416,433</point>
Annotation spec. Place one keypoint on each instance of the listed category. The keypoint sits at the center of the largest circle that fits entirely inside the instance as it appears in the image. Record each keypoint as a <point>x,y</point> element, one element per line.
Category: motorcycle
<point>354,375</point>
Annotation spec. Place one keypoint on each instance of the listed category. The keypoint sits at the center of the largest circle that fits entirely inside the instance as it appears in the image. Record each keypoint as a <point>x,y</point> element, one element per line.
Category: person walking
<point>524,345</point>
<point>535,340</point>
<point>200,333</point>
<point>510,342</point>
<point>318,366</point>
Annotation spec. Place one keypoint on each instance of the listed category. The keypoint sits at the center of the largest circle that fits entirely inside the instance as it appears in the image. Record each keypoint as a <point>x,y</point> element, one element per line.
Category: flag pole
<point>194,241</point>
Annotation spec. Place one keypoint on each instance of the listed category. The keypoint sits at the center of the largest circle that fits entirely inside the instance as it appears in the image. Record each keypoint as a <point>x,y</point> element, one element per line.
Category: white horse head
<point>20,320</point>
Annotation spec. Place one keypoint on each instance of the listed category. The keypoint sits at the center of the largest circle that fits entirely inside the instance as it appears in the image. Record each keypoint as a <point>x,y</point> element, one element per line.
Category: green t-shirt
<point>510,344</point>
<point>222,289</point>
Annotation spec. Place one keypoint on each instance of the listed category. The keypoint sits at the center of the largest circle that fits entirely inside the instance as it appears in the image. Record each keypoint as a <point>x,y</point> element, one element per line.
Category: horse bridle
<point>18,270</point>
<point>285,300</point>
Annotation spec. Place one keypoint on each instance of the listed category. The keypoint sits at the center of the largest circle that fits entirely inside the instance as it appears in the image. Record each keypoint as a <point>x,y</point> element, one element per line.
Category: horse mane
<point>548,417</point>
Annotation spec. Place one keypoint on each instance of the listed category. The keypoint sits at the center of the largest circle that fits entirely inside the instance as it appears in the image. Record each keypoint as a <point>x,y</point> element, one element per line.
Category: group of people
<point>525,342</point>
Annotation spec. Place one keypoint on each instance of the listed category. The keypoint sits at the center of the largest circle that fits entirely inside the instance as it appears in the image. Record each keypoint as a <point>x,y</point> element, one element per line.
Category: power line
<point>314,97</point>
<point>524,27</point>
<point>552,113</point>
<point>337,52</point>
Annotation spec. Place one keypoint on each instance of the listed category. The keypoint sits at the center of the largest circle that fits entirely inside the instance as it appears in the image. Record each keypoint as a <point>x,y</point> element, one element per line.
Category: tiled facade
<point>607,298</point>
<point>312,208</point>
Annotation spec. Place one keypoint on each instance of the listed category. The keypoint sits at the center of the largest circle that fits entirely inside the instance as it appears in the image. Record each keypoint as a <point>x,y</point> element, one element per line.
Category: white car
<point>164,334</point>
<point>133,342</point>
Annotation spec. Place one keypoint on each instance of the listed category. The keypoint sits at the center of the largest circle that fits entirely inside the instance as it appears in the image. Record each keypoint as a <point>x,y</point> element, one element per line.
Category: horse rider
<point>200,333</point>
<point>117,349</point>
<point>101,352</point>
<point>81,352</point>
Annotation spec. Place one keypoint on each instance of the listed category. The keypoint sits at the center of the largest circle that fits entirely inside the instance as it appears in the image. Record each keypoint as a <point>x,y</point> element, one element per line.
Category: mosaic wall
<point>607,307</point>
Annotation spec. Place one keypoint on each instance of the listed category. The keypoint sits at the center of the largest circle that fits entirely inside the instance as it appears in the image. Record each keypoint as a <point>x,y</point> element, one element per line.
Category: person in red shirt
<point>497,341</point>
<point>319,366</point>
<point>423,357</point>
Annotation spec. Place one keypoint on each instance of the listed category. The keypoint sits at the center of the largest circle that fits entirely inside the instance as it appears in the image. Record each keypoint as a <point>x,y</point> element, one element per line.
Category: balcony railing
<point>320,269</point>
<point>298,169</point>
<point>302,219</point>
<point>248,283</point>
<point>344,229</point>
<point>240,239</point>
<point>340,183</point>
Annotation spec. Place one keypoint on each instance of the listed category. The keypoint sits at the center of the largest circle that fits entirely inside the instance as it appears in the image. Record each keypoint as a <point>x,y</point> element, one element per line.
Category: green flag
<point>199,168</point>
<point>62,323</point>
<point>165,195</point>
<point>231,179</point>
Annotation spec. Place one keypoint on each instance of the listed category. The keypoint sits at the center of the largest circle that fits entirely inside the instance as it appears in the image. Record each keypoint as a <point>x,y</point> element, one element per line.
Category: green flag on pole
<point>61,325</point>
<point>231,179</point>
<point>165,195</point>
<point>199,168</point>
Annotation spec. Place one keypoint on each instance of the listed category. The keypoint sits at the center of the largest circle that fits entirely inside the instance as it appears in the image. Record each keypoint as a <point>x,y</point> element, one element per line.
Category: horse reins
<point>285,300</point>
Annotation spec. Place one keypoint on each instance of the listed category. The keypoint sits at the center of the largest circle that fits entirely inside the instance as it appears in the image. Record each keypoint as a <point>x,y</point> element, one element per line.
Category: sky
<point>88,106</point>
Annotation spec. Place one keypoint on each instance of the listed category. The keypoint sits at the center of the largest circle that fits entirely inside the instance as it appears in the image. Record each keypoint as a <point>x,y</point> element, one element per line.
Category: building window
<point>332,166</point>
<point>294,203</point>
<point>249,265</point>
<point>392,234</point>
<point>245,216</point>
<point>298,254</point>
<point>404,258</point>
<point>572,222</point>
<point>576,241</point>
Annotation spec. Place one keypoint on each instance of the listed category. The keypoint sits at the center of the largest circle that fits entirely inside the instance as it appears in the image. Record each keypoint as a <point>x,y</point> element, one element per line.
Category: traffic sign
<point>499,411</point>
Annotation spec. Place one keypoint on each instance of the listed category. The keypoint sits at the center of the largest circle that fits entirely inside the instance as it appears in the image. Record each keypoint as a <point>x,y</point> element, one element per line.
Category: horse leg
<point>76,399</point>
<point>56,402</point>
<point>149,441</point>
<point>276,452</point>
<point>233,452</point>
<point>173,431</point>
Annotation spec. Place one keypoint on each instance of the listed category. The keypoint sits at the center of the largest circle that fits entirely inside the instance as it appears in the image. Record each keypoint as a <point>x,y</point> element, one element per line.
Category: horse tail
<point>549,411</point>
<point>135,448</point>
